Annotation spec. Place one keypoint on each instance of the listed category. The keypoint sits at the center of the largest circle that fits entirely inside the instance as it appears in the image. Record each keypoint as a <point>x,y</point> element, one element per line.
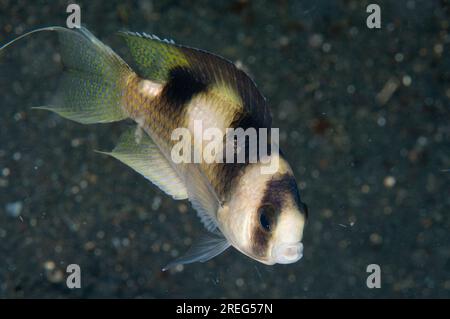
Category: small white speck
<point>49,265</point>
<point>422,141</point>
<point>156,203</point>
<point>438,48</point>
<point>75,142</point>
<point>14,209</point>
<point>5,171</point>
<point>17,156</point>
<point>316,40</point>
<point>326,47</point>
<point>350,89</point>
<point>125,242</point>
<point>381,121</point>
<point>406,80</point>
<point>179,268</point>
<point>389,181</point>
<point>399,57</point>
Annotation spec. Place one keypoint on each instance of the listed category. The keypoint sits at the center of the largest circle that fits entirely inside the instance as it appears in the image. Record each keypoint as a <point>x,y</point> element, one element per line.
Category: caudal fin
<point>94,79</point>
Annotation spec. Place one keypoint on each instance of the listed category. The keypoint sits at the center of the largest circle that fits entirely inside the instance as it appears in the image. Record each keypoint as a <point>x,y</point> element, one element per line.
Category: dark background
<point>358,109</point>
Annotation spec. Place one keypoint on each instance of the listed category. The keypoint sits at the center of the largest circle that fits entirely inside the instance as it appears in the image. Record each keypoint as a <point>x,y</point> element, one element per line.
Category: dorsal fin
<point>156,58</point>
<point>148,36</point>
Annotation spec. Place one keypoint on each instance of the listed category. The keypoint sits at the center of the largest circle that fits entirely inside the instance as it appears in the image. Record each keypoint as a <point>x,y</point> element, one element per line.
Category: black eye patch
<point>277,189</point>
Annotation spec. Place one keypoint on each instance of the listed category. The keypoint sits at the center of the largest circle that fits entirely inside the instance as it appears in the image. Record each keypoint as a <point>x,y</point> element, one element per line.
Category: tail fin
<point>94,79</point>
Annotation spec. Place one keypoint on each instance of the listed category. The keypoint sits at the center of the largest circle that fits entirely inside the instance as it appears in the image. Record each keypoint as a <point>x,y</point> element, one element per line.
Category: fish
<point>171,86</point>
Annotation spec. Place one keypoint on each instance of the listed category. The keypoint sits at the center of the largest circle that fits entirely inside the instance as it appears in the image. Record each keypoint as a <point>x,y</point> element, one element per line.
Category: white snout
<point>287,253</point>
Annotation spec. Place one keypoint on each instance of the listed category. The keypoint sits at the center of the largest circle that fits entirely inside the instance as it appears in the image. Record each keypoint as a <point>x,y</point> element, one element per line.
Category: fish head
<point>265,217</point>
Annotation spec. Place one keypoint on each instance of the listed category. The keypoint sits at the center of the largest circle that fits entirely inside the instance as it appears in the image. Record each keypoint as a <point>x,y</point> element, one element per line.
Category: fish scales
<point>159,114</point>
<point>170,87</point>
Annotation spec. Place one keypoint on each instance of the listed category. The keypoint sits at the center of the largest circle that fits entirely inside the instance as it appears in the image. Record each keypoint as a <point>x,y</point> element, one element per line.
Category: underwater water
<point>364,118</point>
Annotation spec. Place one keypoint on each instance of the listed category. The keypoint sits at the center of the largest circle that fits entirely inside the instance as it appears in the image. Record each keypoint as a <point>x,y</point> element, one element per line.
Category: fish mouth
<point>287,253</point>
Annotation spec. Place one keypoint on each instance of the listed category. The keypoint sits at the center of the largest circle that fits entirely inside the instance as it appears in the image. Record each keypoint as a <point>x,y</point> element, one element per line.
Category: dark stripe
<point>215,68</point>
<point>260,241</point>
<point>275,194</point>
<point>182,85</point>
<point>254,112</point>
<point>244,120</point>
<point>227,173</point>
<point>231,171</point>
<point>277,190</point>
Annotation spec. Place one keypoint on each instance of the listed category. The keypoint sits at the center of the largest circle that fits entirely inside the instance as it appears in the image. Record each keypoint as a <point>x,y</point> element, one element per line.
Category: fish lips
<point>287,253</point>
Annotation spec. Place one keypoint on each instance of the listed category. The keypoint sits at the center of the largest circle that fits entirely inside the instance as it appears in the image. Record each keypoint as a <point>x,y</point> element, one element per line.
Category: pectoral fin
<point>144,156</point>
<point>209,246</point>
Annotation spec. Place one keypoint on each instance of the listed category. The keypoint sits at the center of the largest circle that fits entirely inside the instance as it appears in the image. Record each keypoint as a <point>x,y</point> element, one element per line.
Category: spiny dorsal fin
<point>148,36</point>
<point>155,59</point>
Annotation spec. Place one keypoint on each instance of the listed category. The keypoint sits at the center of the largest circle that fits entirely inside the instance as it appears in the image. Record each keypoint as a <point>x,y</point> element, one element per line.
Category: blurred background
<point>364,121</point>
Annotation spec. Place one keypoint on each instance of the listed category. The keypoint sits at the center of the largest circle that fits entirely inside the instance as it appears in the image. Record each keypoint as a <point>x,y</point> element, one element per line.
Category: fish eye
<point>266,216</point>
